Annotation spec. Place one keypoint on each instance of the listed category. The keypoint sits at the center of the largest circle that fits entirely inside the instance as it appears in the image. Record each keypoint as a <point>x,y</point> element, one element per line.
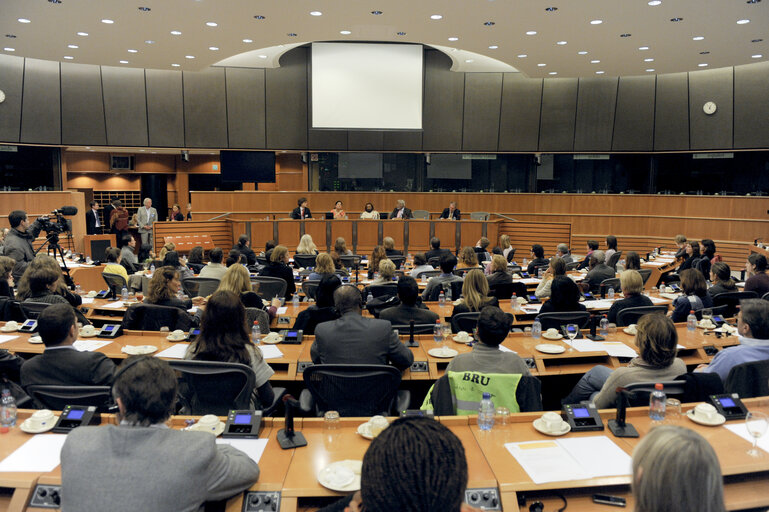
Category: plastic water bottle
<point>514,303</point>
<point>369,298</point>
<point>438,332</point>
<point>78,290</point>
<point>536,329</point>
<point>525,262</point>
<point>256,333</point>
<point>295,300</point>
<point>441,299</point>
<point>486,413</point>
<point>124,293</point>
<point>603,326</point>
<point>691,321</point>
<point>448,295</point>
<point>152,268</point>
<point>611,294</point>
<point>657,403</point>
<point>7,409</point>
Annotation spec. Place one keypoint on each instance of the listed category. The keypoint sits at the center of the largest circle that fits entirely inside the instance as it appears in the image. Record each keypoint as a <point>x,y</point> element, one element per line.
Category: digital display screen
<point>29,323</point>
<point>291,334</point>
<point>718,318</point>
<point>570,328</point>
<point>195,332</point>
<point>108,328</point>
<point>75,414</point>
<point>727,403</point>
<point>242,419</point>
<point>580,412</point>
<point>532,298</point>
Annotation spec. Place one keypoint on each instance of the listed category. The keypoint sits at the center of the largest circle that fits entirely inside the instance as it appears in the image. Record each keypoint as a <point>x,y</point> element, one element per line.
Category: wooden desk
<point>185,243</point>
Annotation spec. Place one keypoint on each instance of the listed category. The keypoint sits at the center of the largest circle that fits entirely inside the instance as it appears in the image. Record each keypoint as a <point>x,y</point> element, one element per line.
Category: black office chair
<point>572,266</point>
<point>33,309</point>
<point>632,315</point>
<point>514,269</point>
<point>520,290</point>
<point>528,395</point>
<point>399,261</point>
<point>382,290</point>
<point>558,319</point>
<point>462,271</point>
<point>511,255</point>
<point>115,283</point>
<point>404,330</point>
<point>432,273</point>
<point>353,390</point>
<point>196,267</point>
<point>200,286</point>
<point>57,397</point>
<point>434,262</point>
<point>258,315</point>
<point>11,310</point>
<point>151,317</point>
<point>732,300</point>
<point>749,379</point>
<point>270,287</point>
<point>766,296</point>
<point>454,286</point>
<point>464,322</point>
<point>305,260</point>
<point>614,259</point>
<point>641,391</point>
<point>351,261</point>
<point>646,273</point>
<point>310,289</point>
<point>612,282</point>
<point>502,291</point>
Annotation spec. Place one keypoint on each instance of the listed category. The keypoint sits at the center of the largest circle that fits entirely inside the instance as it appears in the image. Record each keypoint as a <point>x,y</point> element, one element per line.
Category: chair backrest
<point>270,287</point>
<point>520,290</point>
<point>765,296</point>
<point>511,255</point>
<point>258,315</point>
<point>403,330</point>
<point>11,310</point>
<point>443,399</point>
<point>749,379</point>
<point>612,282</point>
<point>200,286</point>
<point>614,259</point>
<point>195,267</point>
<point>631,315</point>
<point>479,215</point>
<point>420,214</point>
<point>351,261</point>
<point>398,260</point>
<point>33,309</point>
<point>642,390</point>
<point>646,273</point>
<point>434,262</point>
<point>353,389</point>
<point>151,317</point>
<point>57,397</point>
<point>310,288</point>
<point>501,291</point>
<point>732,300</point>
<point>572,265</point>
<point>115,282</point>
<point>514,269</point>
<point>305,260</point>
<point>462,271</point>
<point>383,290</point>
<point>432,273</point>
<point>557,319</point>
<point>456,289</point>
<point>465,321</point>
<point>213,387</point>
<point>261,260</point>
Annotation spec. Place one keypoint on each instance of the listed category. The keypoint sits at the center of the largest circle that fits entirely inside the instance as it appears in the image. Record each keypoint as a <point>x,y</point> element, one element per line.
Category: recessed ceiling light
<point>705,53</point>
<point>599,72</point>
<point>24,20</point>
<point>650,70</point>
<point>703,65</point>
<point>69,57</point>
<point>436,17</point>
<point>175,65</point>
<point>9,49</point>
<point>54,1</point>
<point>551,9</point>
<point>643,48</point>
<point>698,38</point>
<point>541,65</point>
<point>316,13</point>
<point>654,2</point>
<point>453,39</point>
<point>189,56</point>
<point>107,22</point>
<point>625,35</point>
<point>258,17</point>
<point>561,43</point>
<point>124,62</point>
<point>752,40</point>
<point>676,19</point>
<point>401,33</point>
<point>596,22</point>
<point>131,50</point>
<point>176,33</point>
<point>469,60</point>
<point>145,9</point>
<point>248,40</point>
<point>291,34</point>
<point>376,13</point>
<point>212,24</point>
<point>582,52</point>
<point>493,47</point>
<point>73,46</point>
<point>648,60</point>
<point>531,33</point>
<point>345,32</point>
<point>756,56</point>
<point>742,22</point>
<point>82,34</point>
<point>149,41</point>
<point>553,73</point>
<point>752,1</point>
<point>213,48</point>
<point>522,56</point>
<point>262,56</point>
<point>489,23</point>
<point>595,61</point>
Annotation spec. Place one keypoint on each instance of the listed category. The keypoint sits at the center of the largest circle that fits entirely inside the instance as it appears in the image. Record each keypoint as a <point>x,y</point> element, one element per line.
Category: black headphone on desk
<point>538,506</point>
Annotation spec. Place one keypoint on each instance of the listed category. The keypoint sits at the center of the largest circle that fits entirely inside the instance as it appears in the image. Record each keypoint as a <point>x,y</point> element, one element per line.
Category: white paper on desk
<point>175,352</point>
<point>531,308</point>
<point>741,430</point>
<point>270,352</point>
<point>282,310</point>
<point>114,305</point>
<point>40,454</point>
<point>618,349</point>
<point>254,448</point>
<point>598,304</point>
<point>529,280</point>
<point>90,345</point>
<point>5,338</point>
<point>87,300</point>
<point>613,461</point>
<point>658,300</point>
<point>585,345</point>
<point>680,347</point>
<point>503,348</point>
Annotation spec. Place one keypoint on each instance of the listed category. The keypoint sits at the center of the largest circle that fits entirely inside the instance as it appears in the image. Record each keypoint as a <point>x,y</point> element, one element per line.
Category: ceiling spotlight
<point>24,20</point>
<point>145,9</point>
<point>705,53</point>
<point>469,61</point>
<point>752,1</point>
<point>625,35</point>
<point>69,57</point>
<point>739,22</point>
<point>582,52</point>
<point>262,56</point>
<point>453,39</point>
<point>376,13</point>
<point>541,65</point>
<point>648,60</point>
<point>345,32</point>
<point>258,17</point>
<point>703,65</point>
<point>698,38</point>
<point>248,40</point>
<point>553,73</point>
<point>401,33</point>
<point>8,49</point>
<point>316,13</point>
<point>596,22</point>
<point>189,56</point>
<point>675,20</point>
<point>650,70</point>
<point>551,9</point>
<point>752,40</point>
<point>291,34</point>
<point>82,34</point>
<point>73,46</point>
<point>522,56</point>
<point>54,1</point>
<point>10,36</point>
<point>489,23</point>
<point>599,72</point>
<point>595,62</point>
<point>757,56</point>
<point>531,33</point>
<point>654,2</point>
<point>561,43</point>
<point>212,24</point>
<point>131,50</point>
<point>124,62</point>
<point>175,65</point>
<point>436,17</point>
<point>493,47</point>
<point>176,33</point>
<point>213,48</point>
<point>643,48</point>
<point>107,22</point>
<point>149,41</point>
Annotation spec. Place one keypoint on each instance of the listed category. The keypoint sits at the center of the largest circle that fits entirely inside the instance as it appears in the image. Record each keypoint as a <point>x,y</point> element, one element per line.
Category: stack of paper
<point>40,454</point>
<point>271,352</point>
<point>90,345</point>
<point>5,338</point>
<point>254,448</point>
<point>175,352</point>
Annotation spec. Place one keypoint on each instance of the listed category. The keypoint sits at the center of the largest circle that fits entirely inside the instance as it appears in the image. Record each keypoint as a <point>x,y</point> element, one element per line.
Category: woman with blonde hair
<point>278,267</point>
<point>23,290</point>
<point>324,265</point>
<point>504,244</point>
<point>499,273</point>
<point>386,272</point>
<point>557,267</point>
<point>468,258</point>
<point>306,245</point>
<point>237,280</point>
<point>389,246</point>
<point>475,291</point>
<point>170,246</point>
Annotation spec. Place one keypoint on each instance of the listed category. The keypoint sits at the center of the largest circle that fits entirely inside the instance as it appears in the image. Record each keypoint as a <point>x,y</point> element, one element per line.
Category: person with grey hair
<point>564,253</point>
<point>145,216</point>
<point>400,211</point>
<point>598,271</point>
<point>674,468</point>
<point>353,339</point>
<point>98,462</point>
<point>753,332</point>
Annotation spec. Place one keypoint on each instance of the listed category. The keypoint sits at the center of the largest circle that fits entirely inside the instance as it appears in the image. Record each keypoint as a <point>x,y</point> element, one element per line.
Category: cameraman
<point>18,242</point>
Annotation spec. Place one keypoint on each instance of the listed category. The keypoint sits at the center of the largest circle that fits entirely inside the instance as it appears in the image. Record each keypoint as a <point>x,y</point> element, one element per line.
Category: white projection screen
<point>363,86</point>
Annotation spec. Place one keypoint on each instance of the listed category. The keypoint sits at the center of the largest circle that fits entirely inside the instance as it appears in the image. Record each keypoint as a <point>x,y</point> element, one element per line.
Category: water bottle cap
<point>486,395</point>
<point>658,386</point>
<point>256,322</point>
<point>691,312</point>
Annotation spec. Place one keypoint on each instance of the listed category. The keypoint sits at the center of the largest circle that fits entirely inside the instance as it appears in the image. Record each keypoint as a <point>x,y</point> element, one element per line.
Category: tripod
<point>52,241</point>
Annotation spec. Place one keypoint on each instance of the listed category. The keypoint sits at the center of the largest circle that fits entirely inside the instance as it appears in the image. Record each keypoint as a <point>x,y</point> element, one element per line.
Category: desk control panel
<point>419,367</point>
<point>530,362</point>
<point>483,498</point>
<point>301,365</point>
<point>261,501</point>
<point>46,496</point>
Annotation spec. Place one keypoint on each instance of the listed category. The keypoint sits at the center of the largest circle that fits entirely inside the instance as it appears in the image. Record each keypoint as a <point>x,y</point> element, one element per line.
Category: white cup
<point>552,421</point>
<point>208,422</point>
<point>40,419</point>
<point>88,330</point>
<point>11,325</point>
<point>273,336</point>
<point>178,333</point>
<point>378,424</point>
<point>463,336</point>
<point>552,332</point>
<point>705,412</point>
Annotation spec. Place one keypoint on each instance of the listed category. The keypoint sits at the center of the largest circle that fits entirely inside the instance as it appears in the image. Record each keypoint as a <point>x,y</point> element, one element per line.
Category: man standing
<point>145,217</point>
<point>18,241</point>
<point>301,211</point>
<point>92,222</point>
<point>400,211</point>
<point>451,212</point>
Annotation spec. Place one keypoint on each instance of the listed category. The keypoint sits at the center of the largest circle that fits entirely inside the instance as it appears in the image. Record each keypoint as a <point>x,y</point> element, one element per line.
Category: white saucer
<point>341,476</point>
<point>35,340</point>
<point>541,428</point>
<point>84,335</point>
<point>558,336</point>
<point>138,350</point>
<point>25,426</point>
<point>712,326</point>
<point>5,329</point>
<point>719,420</point>
<point>458,340</point>
<point>441,352</point>
<point>216,432</point>
<point>549,348</point>
<point>364,430</point>
<point>272,341</point>
<point>174,338</point>
<point>628,331</point>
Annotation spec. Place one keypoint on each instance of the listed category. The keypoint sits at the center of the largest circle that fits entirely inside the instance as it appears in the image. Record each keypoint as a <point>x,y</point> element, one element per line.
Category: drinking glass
<point>572,330</point>
<point>672,410</point>
<point>707,314</point>
<point>446,335</point>
<point>756,423</point>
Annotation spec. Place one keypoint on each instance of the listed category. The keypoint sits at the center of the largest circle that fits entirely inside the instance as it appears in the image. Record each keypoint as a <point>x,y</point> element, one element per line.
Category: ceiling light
<point>522,56</point>
<point>189,56</point>
<point>453,39</point>
<point>553,73</point>
<point>596,22</point>
<point>212,24</point>
<point>469,60</point>
<point>83,34</point>
<point>739,22</point>
<point>541,65</point>
<point>69,57</point>
<point>654,2</point>
<point>213,48</point>
<point>24,20</point>
<point>262,56</point>
<point>704,53</point>
<point>176,33</point>
<point>595,61</point>
<point>175,65</point>
<point>650,70</point>
<point>73,46</point>
<point>676,20</point>
<point>258,17</point>
<point>436,17</point>
<point>648,60</point>
<point>582,52</point>
<point>376,13</point>
<point>149,41</point>
<point>489,23</point>
<point>14,49</point>
<point>316,13</point>
<point>757,56</point>
<point>752,1</point>
<point>551,9</point>
<point>625,35</point>
<point>698,38</point>
<point>599,72</point>
<point>248,40</point>
<point>131,50</point>
<point>145,9</point>
<point>401,33</point>
<point>291,34</point>
<point>345,32</point>
<point>752,40</point>
<point>643,48</point>
<point>703,65</point>
<point>54,1</point>
<point>561,43</point>
<point>531,33</point>
<point>107,22</point>
<point>493,47</point>
<point>124,62</point>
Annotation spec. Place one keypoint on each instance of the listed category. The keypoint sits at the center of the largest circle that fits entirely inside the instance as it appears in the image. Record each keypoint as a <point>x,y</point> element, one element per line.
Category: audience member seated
<point>171,259</point>
<point>632,261</point>
<point>353,339</point>
<point>482,249</point>
<point>140,464</point>
<point>235,258</point>
<point>592,245</point>
<point>61,364</point>
<point>6,280</point>
<point>692,256</point>
<point>244,247</point>
<point>486,357</point>
<point>386,272</point>
<point>168,247</point>
<point>452,212</point>
<point>435,249</point>
<point>225,336</point>
<point>611,247</point>
<point>675,468</point>
<point>447,263</point>
<point>214,269</point>
<point>753,332</point>
<point>499,273</point>
<point>238,281</point>
<point>721,277</point>
<point>564,297</point>
<point>562,251</point>
<point>278,267</point>
<point>369,212</point>
<point>504,244</point>
<point>420,265</point>
<point>632,287</point>
<point>680,242</point>
<point>758,279</point>
<point>340,247</point>
<point>164,289</point>
<point>599,271</point>
<point>377,255</point>
<point>400,211</point>
<point>323,310</point>
<point>389,246</point>
<point>113,266</point>
<point>338,212</point>
<point>269,245</point>
<point>557,267</point>
<point>301,211</point>
<point>127,257</point>
<point>468,258</point>
<point>537,259</point>
<point>338,265</point>
<point>43,282</point>
<point>24,289</point>
<point>306,245</point>
<point>475,291</point>
<point>695,295</point>
<point>708,251</point>
<point>324,265</point>
<point>410,307</point>
<point>196,258</point>
<point>656,340</point>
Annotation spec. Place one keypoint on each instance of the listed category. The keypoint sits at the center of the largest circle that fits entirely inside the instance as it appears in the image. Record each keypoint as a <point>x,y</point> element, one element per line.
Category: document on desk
<point>40,454</point>
<point>87,300</point>
<point>531,308</point>
<point>270,352</point>
<point>90,345</point>
<point>113,305</point>
<point>741,430</point>
<point>586,345</point>
<point>657,300</point>
<point>254,448</point>
<point>503,348</point>
<point>598,304</point>
<point>5,338</point>
<point>282,310</point>
<point>618,349</point>
<point>570,459</point>
<point>175,352</point>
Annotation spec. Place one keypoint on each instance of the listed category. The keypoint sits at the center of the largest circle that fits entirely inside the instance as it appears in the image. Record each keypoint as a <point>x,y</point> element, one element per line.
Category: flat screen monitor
<point>248,166</point>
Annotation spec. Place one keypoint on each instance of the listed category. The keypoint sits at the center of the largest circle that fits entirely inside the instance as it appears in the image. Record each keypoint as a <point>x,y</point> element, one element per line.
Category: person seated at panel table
<point>278,267</point>
<point>236,279</point>
<point>324,266</point>
<point>499,273</point>
<point>164,289</point>
<point>301,211</point>
<point>340,247</point>
<point>323,309</point>
<point>447,263</point>
<point>757,280</point>
<point>306,245</point>
<point>171,259</point>
<point>435,249</point>
<point>176,213</point>
<point>338,212</point>
<point>113,266</point>
<point>721,277</point>
<point>564,296</point>
<point>24,289</point>
<point>225,337</point>
<point>400,211</point>
<point>632,285</point>
<point>353,339</point>
<point>592,245</point>
<point>244,247</point>
<point>599,271</point>
<point>675,468</point>
<point>140,463</point>
<point>656,339</point>
<point>386,274</point>
<point>632,261</point>
<point>468,258</point>
<point>452,212</point>
<point>377,255</point>
<point>562,251</point>
<point>482,249</point>
<point>369,212</point>
<point>753,332</point>
<point>389,246</point>
<point>214,269</point>
<point>486,357</point>
<point>420,265</point>
<point>692,256</point>
<point>475,294</point>
<point>410,308</point>
<point>537,259</point>
<point>557,267</point>
<point>6,280</point>
<point>611,246</point>
<point>61,364</point>
<point>695,295</point>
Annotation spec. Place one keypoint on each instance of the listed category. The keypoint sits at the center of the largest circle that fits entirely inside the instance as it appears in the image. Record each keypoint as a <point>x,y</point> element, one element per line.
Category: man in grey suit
<point>598,271</point>
<point>353,339</point>
<point>145,216</point>
<point>141,464</point>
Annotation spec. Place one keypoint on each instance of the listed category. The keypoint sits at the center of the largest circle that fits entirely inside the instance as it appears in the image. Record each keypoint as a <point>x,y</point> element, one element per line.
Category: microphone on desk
<point>618,426</point>
<point>411,342</point>
<point>288,437</point>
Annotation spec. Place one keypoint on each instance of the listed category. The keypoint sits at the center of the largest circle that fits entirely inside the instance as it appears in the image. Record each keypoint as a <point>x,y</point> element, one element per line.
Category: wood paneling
<point>219,230</point>
<point>634,118</point>
<point>751,106</point>
<point>11,80</point>
<point>519,115</point>
<point>125,106</point>
<point>82,105</point>
<point>711,131</point>
<point>43,203</point>
<point>246,116</point>
<point>671,115</point>
<point>442,114</point>
<point>596,102</point>
<point>41,110</point>
<point>287,102</point>
<point>339,228</point>
<point>559,107</point>
<point>205,109</point>
<point>480,126</point>
<point>165,108</point>
<point>419,236</point>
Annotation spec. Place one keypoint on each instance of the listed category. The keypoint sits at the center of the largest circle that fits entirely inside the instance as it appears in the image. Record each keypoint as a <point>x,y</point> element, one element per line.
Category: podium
<point>95,245</point>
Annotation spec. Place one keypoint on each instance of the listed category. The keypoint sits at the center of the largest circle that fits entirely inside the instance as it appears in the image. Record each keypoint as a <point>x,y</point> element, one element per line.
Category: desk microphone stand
<point>618,426</point>
<point>411,342</point>
<point>288,437</point>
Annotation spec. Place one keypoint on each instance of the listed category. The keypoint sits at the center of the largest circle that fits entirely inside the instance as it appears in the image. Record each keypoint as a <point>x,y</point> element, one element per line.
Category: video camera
<point>61,225</point>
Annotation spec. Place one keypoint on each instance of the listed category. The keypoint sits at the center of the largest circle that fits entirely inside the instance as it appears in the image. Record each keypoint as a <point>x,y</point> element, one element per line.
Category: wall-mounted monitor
<point>247,166</point>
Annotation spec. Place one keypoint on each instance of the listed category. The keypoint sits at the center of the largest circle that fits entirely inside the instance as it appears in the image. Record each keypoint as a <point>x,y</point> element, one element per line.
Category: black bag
<point>379,304</point>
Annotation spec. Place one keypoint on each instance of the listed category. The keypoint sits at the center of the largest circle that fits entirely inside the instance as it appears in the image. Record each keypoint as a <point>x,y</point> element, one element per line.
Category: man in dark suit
<point>598,271</point>
<point>107,212</point>
<point>354,339</point>
<point>537,259</point>
<point>301,211</point>
<point>451,212</point>
<point>408,292</point>
<point>400,211</point>
<point>61,363</point>
<point>436,251</point>
<point>92,221</point>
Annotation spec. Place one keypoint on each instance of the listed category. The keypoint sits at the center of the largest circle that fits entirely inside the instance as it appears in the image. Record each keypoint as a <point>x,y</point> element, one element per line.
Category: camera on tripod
<point>61,225</point>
